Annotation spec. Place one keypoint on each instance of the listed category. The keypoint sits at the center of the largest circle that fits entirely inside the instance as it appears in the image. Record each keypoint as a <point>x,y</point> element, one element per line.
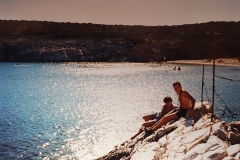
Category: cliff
<point>180,140</point>
<point>66,42</point>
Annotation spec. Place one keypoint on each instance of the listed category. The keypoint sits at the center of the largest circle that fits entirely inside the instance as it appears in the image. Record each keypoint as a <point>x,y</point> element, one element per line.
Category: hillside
<point>60,42</point>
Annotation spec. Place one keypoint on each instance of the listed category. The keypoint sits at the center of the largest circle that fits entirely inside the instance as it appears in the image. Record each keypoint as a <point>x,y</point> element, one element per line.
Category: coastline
<point>208,138</point>
<point>219,62</point>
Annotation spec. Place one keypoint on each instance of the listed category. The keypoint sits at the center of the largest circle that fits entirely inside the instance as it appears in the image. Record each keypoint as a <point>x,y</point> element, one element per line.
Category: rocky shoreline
<point>65,51</point>
<point>206,139</point>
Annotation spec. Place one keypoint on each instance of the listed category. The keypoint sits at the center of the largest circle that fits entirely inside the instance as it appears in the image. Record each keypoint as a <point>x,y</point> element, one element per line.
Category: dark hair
<point>177,83</point>
<point>167,99</point>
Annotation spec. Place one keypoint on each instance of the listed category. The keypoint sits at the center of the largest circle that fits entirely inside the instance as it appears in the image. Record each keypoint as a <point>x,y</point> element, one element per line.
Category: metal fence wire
<point>226,108</point>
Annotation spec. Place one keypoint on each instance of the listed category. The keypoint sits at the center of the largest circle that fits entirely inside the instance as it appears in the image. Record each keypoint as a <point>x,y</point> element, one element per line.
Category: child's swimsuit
<point>156,117</point>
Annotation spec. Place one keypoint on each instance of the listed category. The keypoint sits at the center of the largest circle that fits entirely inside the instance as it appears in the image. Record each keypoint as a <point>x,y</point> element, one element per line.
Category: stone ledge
<point>180,140</point>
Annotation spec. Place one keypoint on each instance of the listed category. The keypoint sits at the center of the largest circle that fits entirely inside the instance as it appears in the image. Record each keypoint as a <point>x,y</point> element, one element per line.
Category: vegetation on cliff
<point>52,41</point>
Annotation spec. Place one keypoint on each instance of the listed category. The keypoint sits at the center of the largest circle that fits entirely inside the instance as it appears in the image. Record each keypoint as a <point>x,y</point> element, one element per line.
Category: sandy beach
<point>220,61</point>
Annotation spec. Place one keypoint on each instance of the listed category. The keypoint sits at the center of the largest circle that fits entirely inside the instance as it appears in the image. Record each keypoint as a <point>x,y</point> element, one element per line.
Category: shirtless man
<point>153,118</point>
<point>187,103</point>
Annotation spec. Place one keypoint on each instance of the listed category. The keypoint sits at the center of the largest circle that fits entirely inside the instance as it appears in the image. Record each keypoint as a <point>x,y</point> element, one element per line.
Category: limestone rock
<point>116,154</point>
<point>218,130</point>
<point>204,122</point>
<point>218,125</point>
<point>160,133</point>
<point>237,157</point>
<point>215,148</point>
<point>205,140</point>
<point>220,133</point>
<point>233,150</point>
<point>214,142</point>
<point>195,152</point>
<point>228,158</point>
<point>199,111</point>
<point>191,139</point>
<point>199,157</point>
<point>148,151</point>
<point>235,126</point>
<point>234,138</point>
<point>216,154</point>
<point>176,156</point>
<point>162,141</point>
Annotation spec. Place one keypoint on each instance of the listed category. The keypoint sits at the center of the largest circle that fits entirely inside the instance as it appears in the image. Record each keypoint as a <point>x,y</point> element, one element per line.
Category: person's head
<point>168,101</point>
<point>177,87</point>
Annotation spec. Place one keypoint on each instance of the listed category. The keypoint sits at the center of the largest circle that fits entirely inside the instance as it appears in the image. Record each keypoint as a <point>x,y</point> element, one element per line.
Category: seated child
<point>151,119</point>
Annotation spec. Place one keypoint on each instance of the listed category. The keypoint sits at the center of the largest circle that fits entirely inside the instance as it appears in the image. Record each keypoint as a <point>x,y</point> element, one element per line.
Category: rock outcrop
<point>209,138</point>
<point>65,51</point>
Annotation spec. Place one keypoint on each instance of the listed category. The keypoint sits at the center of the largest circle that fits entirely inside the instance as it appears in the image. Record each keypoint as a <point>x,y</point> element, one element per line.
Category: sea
<point>83,110</point>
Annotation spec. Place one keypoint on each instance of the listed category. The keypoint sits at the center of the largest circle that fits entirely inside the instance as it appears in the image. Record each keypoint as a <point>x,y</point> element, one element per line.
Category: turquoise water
<point>82,110</point>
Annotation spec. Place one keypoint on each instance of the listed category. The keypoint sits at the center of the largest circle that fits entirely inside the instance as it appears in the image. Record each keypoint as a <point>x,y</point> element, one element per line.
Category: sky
<point>125,12</point>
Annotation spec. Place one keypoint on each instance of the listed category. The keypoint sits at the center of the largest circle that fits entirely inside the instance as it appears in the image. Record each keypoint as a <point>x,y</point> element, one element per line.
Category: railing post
<point>213,88</point>
<point>202,86</point>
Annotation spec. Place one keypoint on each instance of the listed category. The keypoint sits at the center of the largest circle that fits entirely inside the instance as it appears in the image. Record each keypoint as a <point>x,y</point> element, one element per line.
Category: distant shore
<point>219,61</point>
<point>43,41</point>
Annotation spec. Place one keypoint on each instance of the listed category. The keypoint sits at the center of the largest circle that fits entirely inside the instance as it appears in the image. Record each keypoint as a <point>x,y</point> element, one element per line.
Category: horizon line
<point>118,24</point>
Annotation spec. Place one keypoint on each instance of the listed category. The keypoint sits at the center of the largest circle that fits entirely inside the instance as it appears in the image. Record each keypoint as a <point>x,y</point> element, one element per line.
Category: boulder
<point>199,111</point>
<point>228,158</point>
<point>195,151</point>
<point>217,154</point>
<point>191,139</point>
<point>199,157</point>
<point>204,122</point>
<point>233,150</point>
<point>215,148</point>
<point>116,154</point>
<point>234,138</point>
<point>148,151</point>
<point>214,142</point>
<point>237,157</point>
<point>218,130</point>
<point>176,156</point>
<point>235,126</point>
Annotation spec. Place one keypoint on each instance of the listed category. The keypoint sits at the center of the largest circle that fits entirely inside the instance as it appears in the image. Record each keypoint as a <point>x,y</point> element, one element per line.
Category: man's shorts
<point>181,112</point>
